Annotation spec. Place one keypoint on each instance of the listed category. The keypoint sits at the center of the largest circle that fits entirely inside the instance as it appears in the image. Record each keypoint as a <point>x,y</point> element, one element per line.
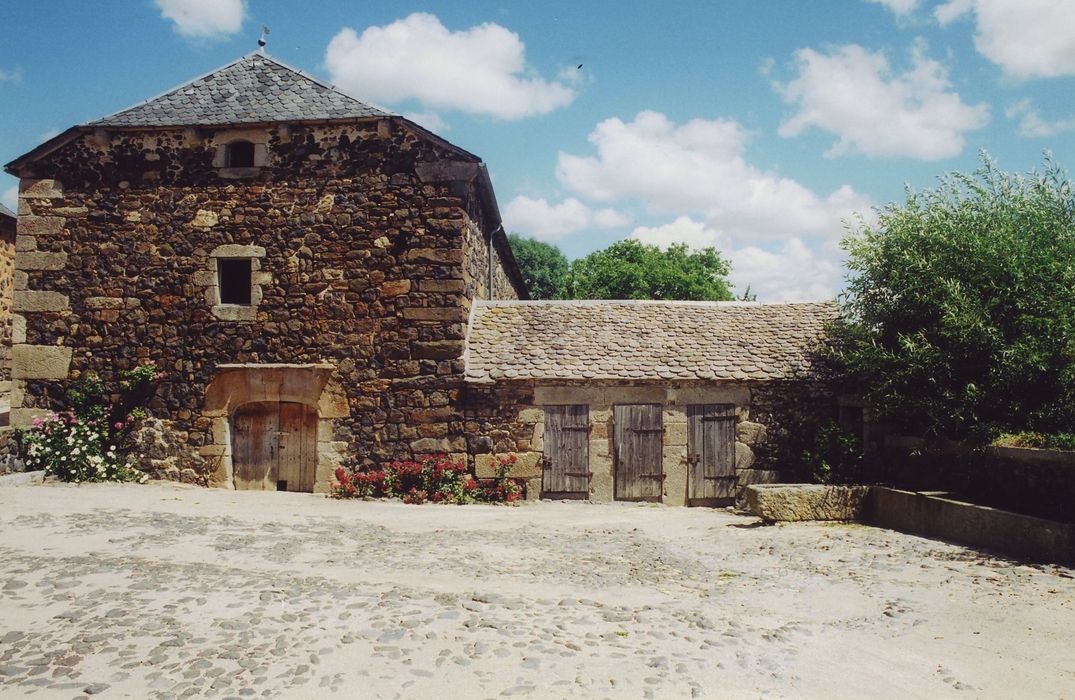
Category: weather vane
<point>263,40</point>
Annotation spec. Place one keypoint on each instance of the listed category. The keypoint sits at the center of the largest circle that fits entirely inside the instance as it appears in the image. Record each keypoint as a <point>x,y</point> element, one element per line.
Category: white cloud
<point>548,222</point>
<point>204,19</point>
<point>853,93</point>
<point>1032,125</point>
<point>901,8</point>
<point>14,76</point>
<point>789,271</point>
<point>699,168</point>
<point>10,198</point>
<point>1026,38</point>
<point>428,120</point>
<point>481,70</point>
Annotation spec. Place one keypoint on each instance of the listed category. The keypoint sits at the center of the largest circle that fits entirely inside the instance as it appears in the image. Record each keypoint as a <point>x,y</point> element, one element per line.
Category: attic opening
<point>234,277</point>
<point>239,154</point>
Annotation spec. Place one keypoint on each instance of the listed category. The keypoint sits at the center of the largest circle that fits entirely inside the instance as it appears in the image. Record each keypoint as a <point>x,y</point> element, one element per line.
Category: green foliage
<point>543,266</point>
<point>1059,441</point>
<point>90,441</point>
<point>632,270</point>
<point>835,457</point>
<point>959,317</point>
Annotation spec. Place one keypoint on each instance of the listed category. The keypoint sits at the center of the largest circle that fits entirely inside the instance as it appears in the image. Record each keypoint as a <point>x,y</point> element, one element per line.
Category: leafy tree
<point>631,270</point>
<point>959,316</point>
<point>543,266</point>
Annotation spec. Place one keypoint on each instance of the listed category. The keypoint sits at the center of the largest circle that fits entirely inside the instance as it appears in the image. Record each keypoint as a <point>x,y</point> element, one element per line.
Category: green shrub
<point>1057,441</point>
<point>836,456</point>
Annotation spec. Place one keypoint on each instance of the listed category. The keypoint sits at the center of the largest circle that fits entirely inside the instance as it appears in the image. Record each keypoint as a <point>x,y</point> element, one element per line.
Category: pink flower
<point>118,426</point>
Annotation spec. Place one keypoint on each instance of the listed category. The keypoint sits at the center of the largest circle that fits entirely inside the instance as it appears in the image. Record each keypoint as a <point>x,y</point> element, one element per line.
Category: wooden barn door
<point>639,442</point>
<point>566,469</point>
<point>274,446</point>
<point>711,451</point>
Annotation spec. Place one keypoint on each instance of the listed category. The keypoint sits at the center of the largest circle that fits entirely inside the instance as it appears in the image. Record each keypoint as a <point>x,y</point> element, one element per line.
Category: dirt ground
<point>166,591</point>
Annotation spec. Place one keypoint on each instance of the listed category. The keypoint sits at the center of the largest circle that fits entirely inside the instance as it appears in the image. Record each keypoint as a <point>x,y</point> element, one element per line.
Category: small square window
<point>234,279</point>
<point>240,154</point>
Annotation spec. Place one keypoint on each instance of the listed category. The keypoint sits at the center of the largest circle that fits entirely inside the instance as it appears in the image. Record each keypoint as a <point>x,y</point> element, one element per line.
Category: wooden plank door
<point>711,451</point>
<point>253,445</point>
<point>297,445</point>
<point>274,446</point>
<point>566,469</point>
<point>639,442</point>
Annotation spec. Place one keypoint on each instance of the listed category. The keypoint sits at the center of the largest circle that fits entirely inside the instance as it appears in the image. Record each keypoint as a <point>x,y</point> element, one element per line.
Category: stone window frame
<point>223,139</point>
<point>208,279</point>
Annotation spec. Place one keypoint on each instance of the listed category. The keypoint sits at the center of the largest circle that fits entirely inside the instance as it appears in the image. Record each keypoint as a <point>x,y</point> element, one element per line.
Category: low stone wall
<point>798,502</point>
<point>932,515</point>
<point>1031,481</point>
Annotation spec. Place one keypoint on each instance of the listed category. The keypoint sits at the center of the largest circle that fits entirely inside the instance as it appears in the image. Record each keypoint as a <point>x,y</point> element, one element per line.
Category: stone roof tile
<point>609,340</point>
<point>257,88</point>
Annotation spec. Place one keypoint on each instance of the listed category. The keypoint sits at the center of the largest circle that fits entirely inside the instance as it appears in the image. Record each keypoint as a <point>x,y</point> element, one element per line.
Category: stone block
<point>533,489</point>
<point>20,280</point>
<point>205,278</point>
<point>393,288</point>
<point>104,303</point>
<point>40,225</point>
<point>437,350</point>
<point>205,218</point>
<point>40,362</point>
<point>532,415</point>
<point>527,465</point>
<point>234,250</point>
<point>441,286</point>
<point>438,445</point>
<point>18,329</point>
<point>71,211</point>
<point>752,434</point>
<point>40,189</point>
<point>436,313</point>
<point>26,300</point>
<point>675,434</point>
<point>435,256</point>
<point>36,260</point>
<point>796,502</point>
<point>25,417</point>
<point>25,243</point>
<point>744,457</point>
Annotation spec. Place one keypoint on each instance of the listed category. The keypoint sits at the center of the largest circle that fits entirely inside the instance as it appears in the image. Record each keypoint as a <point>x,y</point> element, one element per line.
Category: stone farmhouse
<point>324,282</point>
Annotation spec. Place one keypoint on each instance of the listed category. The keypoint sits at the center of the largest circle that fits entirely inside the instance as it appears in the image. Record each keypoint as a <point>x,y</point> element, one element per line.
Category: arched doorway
<point>274,446</point>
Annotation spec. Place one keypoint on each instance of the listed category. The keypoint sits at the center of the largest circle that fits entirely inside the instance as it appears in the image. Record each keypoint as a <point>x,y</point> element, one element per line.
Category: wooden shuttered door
<point>567,451</point>
<point>711,451</point>
<point>274,446</point>
<point>639,443</point>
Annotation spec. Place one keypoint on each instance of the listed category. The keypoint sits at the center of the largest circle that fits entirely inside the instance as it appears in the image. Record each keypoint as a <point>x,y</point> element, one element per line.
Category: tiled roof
<point>256,88</point>
<point>630,340</point>
<point>4,211</point>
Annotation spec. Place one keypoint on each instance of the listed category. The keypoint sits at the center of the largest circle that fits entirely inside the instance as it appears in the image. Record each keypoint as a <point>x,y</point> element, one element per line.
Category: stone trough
<point>928,514</point>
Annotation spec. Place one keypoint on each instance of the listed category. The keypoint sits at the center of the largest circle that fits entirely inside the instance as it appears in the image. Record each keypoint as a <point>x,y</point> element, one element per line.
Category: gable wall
<point>362,268</point>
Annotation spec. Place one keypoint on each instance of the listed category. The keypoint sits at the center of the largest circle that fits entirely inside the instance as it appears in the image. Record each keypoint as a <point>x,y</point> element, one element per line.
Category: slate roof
<point>631,340</point>
<point>4,211</point>
<point>257,88</point>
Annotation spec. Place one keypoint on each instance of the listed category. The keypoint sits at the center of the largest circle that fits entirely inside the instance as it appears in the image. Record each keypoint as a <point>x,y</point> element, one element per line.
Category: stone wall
<point>508,417</point>
<point>362,269</point>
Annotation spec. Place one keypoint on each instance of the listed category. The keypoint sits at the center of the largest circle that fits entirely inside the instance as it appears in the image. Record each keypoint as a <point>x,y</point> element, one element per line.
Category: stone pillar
<point>41,215</point>
<point>674,457</point>
<point>601,462</point>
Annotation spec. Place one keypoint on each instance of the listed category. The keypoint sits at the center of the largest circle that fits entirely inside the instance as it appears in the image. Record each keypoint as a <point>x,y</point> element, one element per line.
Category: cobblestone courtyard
<point>166,591</point>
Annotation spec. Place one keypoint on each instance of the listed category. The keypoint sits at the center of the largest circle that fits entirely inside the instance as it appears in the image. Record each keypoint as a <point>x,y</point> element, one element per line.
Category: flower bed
<point>436,479</point>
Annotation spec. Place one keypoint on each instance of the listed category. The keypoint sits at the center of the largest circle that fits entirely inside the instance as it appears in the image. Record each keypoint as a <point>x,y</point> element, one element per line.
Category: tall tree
<point>959,316</point>
<point>632,270</point>
<point>544,268</point>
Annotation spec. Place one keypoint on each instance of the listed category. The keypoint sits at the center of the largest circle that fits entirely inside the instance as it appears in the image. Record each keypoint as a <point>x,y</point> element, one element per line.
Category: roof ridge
<point>655,302</point>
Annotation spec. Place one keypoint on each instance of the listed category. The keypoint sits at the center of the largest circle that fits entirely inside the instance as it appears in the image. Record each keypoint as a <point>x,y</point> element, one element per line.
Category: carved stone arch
<point>242,384</point>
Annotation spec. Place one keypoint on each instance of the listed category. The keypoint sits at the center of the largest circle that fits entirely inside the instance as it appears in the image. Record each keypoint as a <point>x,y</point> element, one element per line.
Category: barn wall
<point>360,265</point>
<point>770,418</point>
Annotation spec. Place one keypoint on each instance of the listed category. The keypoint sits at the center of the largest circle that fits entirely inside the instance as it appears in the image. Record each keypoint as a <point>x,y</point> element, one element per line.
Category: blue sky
<point>757,127</point>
